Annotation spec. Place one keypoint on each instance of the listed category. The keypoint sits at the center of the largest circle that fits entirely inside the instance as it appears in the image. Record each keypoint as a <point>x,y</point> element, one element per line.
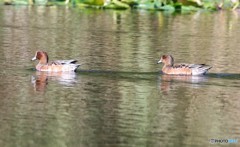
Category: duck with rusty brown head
<point>53,66</point>
<point>182,69</point>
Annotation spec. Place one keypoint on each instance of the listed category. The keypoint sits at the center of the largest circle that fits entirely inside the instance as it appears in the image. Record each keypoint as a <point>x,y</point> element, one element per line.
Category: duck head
<point>166,60</point>
<point>41,56</point>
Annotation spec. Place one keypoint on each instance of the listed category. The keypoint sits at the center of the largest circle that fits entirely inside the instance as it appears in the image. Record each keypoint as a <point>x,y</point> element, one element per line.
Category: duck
<point>170,68</point>
<point>53,66</point>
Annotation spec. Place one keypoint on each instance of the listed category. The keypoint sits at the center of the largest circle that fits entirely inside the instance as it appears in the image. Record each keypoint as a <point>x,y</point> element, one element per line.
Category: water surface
<point>118,97</point>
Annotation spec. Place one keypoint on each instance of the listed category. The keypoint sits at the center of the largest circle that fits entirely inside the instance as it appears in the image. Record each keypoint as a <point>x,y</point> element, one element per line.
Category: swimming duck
<point>182,69</point>
<point>54,66</point>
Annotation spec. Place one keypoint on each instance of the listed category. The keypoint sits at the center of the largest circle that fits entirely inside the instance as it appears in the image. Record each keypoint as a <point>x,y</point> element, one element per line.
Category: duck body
<point>54,66</point>
<point>182,69</point>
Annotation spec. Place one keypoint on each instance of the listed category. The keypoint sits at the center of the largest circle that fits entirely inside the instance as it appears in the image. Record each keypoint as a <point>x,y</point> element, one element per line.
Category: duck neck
<point>43,60</point>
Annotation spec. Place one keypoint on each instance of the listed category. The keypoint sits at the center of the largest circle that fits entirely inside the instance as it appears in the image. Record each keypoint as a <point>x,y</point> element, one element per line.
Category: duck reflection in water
<point>40,80</point>
<point>169,82</point>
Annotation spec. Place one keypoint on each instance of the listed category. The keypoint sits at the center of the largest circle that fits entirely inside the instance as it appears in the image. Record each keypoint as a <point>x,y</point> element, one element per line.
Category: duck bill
<point>160,61</point>
<point>34,58</point>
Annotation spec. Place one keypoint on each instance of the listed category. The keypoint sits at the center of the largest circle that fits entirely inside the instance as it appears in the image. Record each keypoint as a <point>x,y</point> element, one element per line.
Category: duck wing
<point>196,69</point>
<point>200,66</point>
<point>182,65</point>
<point>195,66</point>
<point>62,62</point>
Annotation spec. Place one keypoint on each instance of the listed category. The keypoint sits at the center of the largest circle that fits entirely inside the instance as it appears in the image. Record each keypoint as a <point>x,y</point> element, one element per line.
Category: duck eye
<point>39,55</point>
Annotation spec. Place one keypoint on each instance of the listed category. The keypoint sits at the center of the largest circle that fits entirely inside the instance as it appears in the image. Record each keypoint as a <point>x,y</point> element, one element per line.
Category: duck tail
<point>200,69</point>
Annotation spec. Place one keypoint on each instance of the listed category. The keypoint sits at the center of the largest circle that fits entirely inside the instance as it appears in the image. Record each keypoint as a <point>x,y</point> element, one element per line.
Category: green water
<point>118,97</point>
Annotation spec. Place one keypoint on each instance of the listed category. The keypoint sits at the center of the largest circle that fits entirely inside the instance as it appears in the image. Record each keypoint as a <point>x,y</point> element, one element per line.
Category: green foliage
<point>116,4</point>
<point>41,2</point>
<point>168,8</point>
<point>92,2</point>
<point>160,5</point>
